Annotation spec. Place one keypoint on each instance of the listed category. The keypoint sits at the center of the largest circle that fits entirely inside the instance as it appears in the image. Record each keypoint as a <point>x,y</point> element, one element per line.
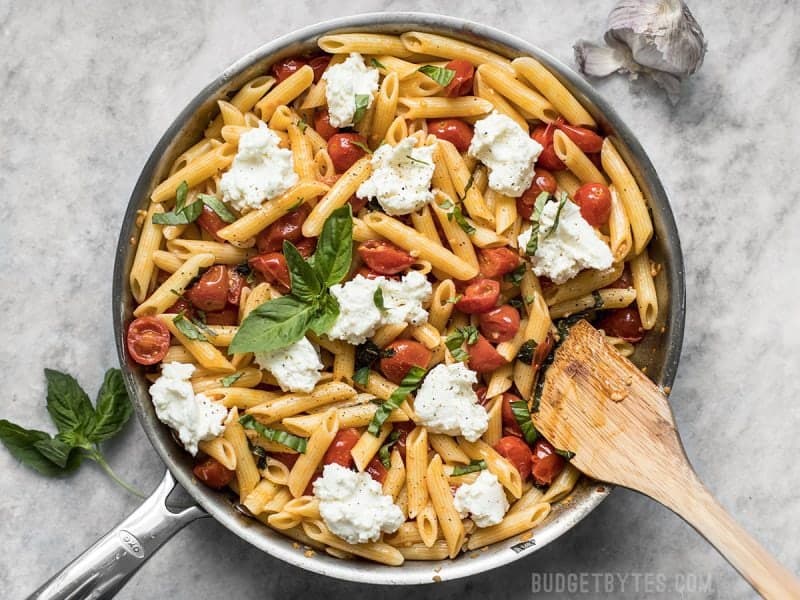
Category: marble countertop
<point>88,88</point>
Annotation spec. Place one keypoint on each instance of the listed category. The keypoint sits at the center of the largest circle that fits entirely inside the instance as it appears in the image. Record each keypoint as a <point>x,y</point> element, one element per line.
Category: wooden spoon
<point>599,405</point>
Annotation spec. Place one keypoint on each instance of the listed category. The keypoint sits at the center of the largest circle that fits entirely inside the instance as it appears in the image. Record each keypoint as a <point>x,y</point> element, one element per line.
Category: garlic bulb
<point>659,38</point>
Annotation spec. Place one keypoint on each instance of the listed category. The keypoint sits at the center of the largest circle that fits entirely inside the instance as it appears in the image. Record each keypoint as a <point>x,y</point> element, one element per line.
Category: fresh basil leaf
<point>367,354</point>
<point>180,195</point>
<point>566,454</point>
<point>361,376</point>
<point>556,219</point>
<point>302,125</point>
<point>67,403</point>
<point>458,338</point>
<point>113,407</point>
<point>377,298</point>
<point>188,328</point>
<point>447,205</point>
<point>410,382</point>
<point>275,435</point>
<point>362,103</point>
<point>516,275</point>
<point>533,244</point>
<point>462,220</point>
<point>598,300</point>
<point>21,443</point>
<point>523,417</point>
<point>325,315</point>
<point>472,467</point>
<point>454,299</point>
<point>188,214</point>
<point>376,63</point>
<point>334,253</point>
<point>538,205</point>
<point>218,207</point>
<point>469,185</point>
<point>525,353</point>
<point>55,450</point>
<point>275,324</point>
<point>361,145</point>
<point>384,453</point>
<point>306,283</point>
<point>231,379</point>
<point>470,333</point>
<point>441,75</point>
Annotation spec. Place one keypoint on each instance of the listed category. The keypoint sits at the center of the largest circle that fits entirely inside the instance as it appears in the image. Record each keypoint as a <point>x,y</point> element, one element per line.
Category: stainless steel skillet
<point>103,569</point>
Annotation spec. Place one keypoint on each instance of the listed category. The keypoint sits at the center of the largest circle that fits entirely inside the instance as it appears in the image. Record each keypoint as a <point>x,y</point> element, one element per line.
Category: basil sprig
<point>284,438</point>
<point>189,328</point>
<point>362,102</point>
<point>456,340</point>
<point>81,426</point>
<point>310,306</point>
<point>441,75</point>
<point>454,213</point>
<point>522,415</point>
<point>183,214</point>
<point>410,382</point>
<point>384,454</point>
<point>472,467</point>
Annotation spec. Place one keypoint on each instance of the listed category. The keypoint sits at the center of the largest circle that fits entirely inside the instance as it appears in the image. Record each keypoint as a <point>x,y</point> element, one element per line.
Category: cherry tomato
<point>545,463</point>
<point>236,282</point>
<point>273,268</point>
<point>496,262</point>
<point>370,274</point>
<point>319,64</point>
<point>500,324</point>
<point>595,202</point>
<point>181,305</point>
<point>624,323</point>
<point>548,159</point>
<point>404,427</point>
<point>356,203</point>
<point>211,472</point>
<point>543,181</point>
<point>402,355</point>
<point>517,452</point>
<point>288,66</point>
<point>288,227</point>
<point>322,124</point>
<point>339,450</point>
<point>461,85</point>
<point>309,491</point>
<point>510,425</point>
<point>584,138</point>
<point>376,470</point>
<point>384,257</point>
<point>480,392</point>
<point>211,292</point>
<point>306,246</point>
<point>148,340</point>
<point>287,458</point>
<point>455,131</point>
<point>625,280</point>
<point>226,316</point>
<point>343,150</point>
<point>483,358</point>
<point>211,222</point>
<point>479,297</point>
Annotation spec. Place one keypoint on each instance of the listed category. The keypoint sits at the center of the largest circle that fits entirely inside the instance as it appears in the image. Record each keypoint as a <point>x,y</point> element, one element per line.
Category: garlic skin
<point>659,38</point>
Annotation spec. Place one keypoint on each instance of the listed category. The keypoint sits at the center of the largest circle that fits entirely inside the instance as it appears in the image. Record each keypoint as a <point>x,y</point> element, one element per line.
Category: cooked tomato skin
<point>287,458</point>
<point>147,340</point>
<point>461,85</point>
<point>306,246</point>
<point>404,355</point>
<point>318,64</point>
<point>404,427</point>
<point>584,138</point>
<point>288,227</point>
<point>339,450</point>
<point>545,463</point>
<point>211,292</point>
<point>384,257</point>
<point>624,323</point>
<point>457,132</point>
<point>499,324</point>
<point>211,222</point>
<point>322,124</point>
<point>226,316</point>
<point>543,181</point>
<point>483,358</point>
<point>212,473</point>
<point>479,297</point>
<point>287,67</point>
<point>182,305</point>
<point>236,282</point>
<point>517,452</point>
<point>496,262</point>
<point>595,202</point>
<point>343,151</point>
<point>548,159</point>
<point>376,470</point>
<point>370,274</point>
<point>273,268</point>
<point>510,425</point>
<point>480,392</point>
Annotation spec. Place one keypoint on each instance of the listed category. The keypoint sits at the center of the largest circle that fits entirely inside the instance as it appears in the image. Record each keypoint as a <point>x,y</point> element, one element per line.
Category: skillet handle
<point>103,569</point>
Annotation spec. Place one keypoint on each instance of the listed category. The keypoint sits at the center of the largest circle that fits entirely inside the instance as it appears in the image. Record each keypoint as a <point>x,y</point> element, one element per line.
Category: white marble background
<point>86,89</point>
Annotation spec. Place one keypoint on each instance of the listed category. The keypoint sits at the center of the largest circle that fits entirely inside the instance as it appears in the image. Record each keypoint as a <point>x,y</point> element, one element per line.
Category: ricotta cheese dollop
<point>353,505</point>
<point>446,402</point>
<point>485,500</point>
<point>508,151</point>
<point>345,81</point>
<point>401,177</point>
<point>260,171</point>
<point>572,247</point>
<point>296,368</point>
<point>194,416</point>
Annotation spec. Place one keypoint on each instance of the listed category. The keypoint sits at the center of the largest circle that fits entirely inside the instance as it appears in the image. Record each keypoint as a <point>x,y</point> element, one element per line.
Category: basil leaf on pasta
<point>306,283</point>
<point>218,207</point>
<point>273,325</point>
<point>410,382</point>
<point>334,252</point>
<point>327,311</point>
<point>361,376</point>
<point>376,63</point>
<point>523,418</point>
<point>285,438</point>
<point>384,453</point>
<point>441,75</point>
<point>362,102</point>
<point>231,379</point>
<point>472,467</point>
<point>188,328</point>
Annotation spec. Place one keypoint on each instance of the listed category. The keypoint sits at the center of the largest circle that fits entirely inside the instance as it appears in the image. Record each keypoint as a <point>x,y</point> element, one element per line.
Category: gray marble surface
<point>88,88</point>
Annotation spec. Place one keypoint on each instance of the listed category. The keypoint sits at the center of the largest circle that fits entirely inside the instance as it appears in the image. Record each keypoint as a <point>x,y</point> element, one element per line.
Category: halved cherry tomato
<point>273,268</point>
<point>461,84</point>
<point>287,458</point>
<point>306,246</point>
<point>510,425</point>
<point>595,202</point>
<point>455,131</point>
<point>479,297</point>
<point>288,227</point>
<point>624,323</point>
<point>212,472</point>
<point>499,324</point>
<point>319,64</point>
<point>517,453</point>
<point>483,358</point>
<point>548,159</point>
<point>480,392</point>
<point>339,450</point>
<point>226,316</point>
<point>401,356</point>
<point>288,66</point>
<point>543,181</point>
<point>147,340</point>
<point>376,470</point>
<point>496,262</point>
<point>343,150</point>
<point>384,257</point>
<point>211,292</point>
<point>584,138</point>
<point>545,463</point>
<point>236,282</point>
<point>211,222</point>
<point>404,427</point>
<point>322,124</point>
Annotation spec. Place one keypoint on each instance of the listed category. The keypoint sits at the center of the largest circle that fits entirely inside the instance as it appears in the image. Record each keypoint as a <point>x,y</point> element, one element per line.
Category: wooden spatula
<point>600,406</point>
